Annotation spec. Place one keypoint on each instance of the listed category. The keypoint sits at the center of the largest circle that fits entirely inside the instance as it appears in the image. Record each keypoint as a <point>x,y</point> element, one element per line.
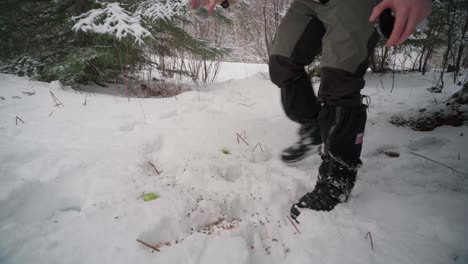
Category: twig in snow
<point>57,102</point>
<point>371,241</point>
<point>148,245</point>
<point>454,170</point>
<point>239,136</point>
<point>154,167</point>
<point>393,69</point>
<point>379,76</point>
<point>86,97</point>
<point>294,225</point>
<point>18,118</point>
<point>51,113</point>
<point>115,99</point>
<point>258,144</point>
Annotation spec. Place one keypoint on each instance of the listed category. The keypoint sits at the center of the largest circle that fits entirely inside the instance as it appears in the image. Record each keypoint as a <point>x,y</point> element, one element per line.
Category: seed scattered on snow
<point>225,151</point>
<point>150,196</point>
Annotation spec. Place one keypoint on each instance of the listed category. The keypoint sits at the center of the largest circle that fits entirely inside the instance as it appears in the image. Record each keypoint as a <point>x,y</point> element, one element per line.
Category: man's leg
<point>347,44</point>
<point>298,41</point>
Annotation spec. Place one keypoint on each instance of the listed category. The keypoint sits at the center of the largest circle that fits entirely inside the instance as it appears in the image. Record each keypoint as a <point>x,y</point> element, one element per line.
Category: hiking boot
<point>309,136</point>
<point>342,132</point>
<point>334,185</point>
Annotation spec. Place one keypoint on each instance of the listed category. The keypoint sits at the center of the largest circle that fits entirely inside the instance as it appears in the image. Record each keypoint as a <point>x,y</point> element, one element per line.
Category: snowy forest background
<point>82,41</point>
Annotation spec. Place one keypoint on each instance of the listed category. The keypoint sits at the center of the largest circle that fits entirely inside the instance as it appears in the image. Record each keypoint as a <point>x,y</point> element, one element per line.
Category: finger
<point>378,10</point>
<point>211,6</point>
<point>398,28</point>
<point>193,4</point>
<point>409,29</point>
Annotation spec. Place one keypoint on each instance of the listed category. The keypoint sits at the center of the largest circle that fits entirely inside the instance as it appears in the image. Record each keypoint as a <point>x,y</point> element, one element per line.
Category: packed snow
<point>73,173</point>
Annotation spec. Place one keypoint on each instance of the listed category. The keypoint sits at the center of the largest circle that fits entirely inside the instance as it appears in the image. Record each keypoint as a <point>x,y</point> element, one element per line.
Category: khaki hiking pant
<point>340,30</point>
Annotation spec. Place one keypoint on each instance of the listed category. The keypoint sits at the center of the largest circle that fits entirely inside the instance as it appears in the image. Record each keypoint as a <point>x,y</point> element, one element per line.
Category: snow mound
<point>72,180</point>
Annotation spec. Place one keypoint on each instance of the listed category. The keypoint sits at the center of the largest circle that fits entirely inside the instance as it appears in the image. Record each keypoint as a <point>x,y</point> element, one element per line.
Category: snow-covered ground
<point>72,180</point>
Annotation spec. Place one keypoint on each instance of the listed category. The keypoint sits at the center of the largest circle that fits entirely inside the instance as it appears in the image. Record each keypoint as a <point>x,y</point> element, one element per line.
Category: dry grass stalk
<point>148,245</point>
<point>57,102</point>
<point>18,118</point>
<point>86,98</point>
<point>294,225</point>
<point>239,136</point>
<point>154,167</point>
<point>369,235</point>
<point>259,145</point>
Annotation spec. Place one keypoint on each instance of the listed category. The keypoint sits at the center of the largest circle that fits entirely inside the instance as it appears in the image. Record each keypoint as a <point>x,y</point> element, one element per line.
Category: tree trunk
<point>450,24</point>
<point>460,50</point>
<point>428,56</point>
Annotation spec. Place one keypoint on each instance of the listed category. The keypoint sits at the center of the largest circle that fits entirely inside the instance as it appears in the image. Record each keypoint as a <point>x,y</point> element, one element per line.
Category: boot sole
<point>306,155</point>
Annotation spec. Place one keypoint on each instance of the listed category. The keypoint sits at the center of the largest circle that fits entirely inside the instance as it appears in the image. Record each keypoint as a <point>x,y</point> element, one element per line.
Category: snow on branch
<point>114,20</point>
<point>162,9</point>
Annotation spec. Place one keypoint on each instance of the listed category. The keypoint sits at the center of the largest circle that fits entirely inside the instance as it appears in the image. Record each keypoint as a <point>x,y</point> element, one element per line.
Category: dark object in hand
<point>225,4</point>
<point>385,23</point>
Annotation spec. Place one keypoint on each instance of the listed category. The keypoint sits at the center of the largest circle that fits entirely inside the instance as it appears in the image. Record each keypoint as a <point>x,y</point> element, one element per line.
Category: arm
<point>408,14</point>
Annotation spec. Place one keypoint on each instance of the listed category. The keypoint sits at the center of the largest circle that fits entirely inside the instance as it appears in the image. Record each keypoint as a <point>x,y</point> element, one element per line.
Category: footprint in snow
<point>129,126</point>
<point>168,114</point>
<point>29,93</point>
<point>381,150</point>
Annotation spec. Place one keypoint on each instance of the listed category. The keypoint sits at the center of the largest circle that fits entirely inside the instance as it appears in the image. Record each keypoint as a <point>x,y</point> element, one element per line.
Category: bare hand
<point>212,4</point>
<point>408,14</point>
<point>209,4</point>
